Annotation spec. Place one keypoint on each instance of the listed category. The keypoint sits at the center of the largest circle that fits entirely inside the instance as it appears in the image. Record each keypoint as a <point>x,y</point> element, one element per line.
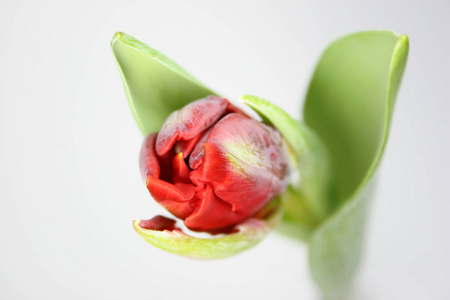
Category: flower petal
<point>243,191</point>
<point>212,214</point>
<point>148,162</point>
<point>174,198</point>
<point>189,121</point>
<point>196,157</point>
<point>186,146</point>
<point>244,162</point>
<point>253,143</point>
<point>181,171</point>
<point>158,223</point>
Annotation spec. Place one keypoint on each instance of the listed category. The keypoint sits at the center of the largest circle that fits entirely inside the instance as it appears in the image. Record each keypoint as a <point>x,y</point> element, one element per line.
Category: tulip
<point>213,166</point>
<point>216,169</point>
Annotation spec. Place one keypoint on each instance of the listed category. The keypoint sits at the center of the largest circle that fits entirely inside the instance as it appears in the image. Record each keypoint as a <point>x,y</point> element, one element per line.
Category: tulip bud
<point>213,166</point>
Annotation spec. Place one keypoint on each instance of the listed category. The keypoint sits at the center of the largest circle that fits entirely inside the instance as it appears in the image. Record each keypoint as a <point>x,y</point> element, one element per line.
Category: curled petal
<point>244,163</point>
<point>211,212</point>
<point>186,146</point>
<point>181,171</point>
<point>243,195</point>
<point>196,157</point>
<point>148,162</point>
<point>158,223</point>
<point>174,198</point>
<point>189,121</point>
<point>254,144</point>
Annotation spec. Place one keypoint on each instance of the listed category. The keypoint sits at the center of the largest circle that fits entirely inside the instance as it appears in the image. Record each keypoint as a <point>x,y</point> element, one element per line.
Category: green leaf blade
<point>349,104</point>
<point>248,234</point>
<point>154,84</point>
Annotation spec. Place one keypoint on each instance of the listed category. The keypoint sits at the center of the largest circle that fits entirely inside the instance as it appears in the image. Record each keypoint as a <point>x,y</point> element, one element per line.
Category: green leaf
<point>155,85</point>
<point>248,234</point>
<point>307,202</point>
<point>349,105</point>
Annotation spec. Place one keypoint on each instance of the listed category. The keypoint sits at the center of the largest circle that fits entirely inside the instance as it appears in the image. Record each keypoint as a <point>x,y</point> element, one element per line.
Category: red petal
<point>257,147</point>
<point>163,190</point>
<point>180,170</point>
<point>186,146</point>
<point>211,213</point>
<point>148,162</point>
<point>189,121</point>
<point>245,192</point>
<point>174,198</point>
<point>244,164</point>
<point>158,223</point>
<point>196,158</point>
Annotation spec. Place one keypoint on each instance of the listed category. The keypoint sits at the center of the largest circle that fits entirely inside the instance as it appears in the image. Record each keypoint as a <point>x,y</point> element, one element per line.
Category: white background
<point>69,181</point>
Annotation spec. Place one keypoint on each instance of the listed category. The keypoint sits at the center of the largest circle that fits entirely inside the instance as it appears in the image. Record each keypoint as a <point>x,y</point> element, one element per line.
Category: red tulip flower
<point>220,171</point>
<point>213,166</point>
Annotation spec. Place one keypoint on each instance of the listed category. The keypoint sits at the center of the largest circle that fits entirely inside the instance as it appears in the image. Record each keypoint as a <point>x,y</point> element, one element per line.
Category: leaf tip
<point>400,55</point>
<point>403,42</point>
<point>404,38</point>
<point>136,225</point>
<point>117,36</point>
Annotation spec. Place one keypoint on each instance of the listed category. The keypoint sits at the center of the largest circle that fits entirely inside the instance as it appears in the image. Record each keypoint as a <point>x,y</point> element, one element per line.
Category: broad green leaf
<point>248,234</point>
<point>349,105</point>
<point>307,202</point>
<point>155,85</point>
